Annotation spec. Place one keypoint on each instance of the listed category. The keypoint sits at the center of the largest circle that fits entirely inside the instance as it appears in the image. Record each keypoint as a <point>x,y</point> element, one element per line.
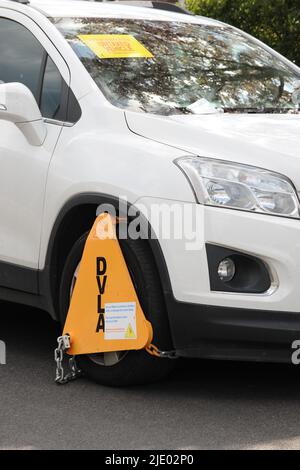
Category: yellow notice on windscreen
<point>114,46</point>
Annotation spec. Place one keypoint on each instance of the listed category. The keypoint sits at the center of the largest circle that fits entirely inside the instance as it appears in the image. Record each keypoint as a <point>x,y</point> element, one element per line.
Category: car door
<point>27,56</point>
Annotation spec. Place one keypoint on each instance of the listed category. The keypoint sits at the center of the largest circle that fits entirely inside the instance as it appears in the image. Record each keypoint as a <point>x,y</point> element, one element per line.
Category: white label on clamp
<point>120,320</point>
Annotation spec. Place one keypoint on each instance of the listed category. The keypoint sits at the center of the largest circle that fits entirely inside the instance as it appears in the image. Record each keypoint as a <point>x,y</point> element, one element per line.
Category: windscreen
<point>174,67</point>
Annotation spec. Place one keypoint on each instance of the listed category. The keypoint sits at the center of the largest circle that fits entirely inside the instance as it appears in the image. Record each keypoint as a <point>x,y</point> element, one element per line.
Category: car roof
<point>92,9</point>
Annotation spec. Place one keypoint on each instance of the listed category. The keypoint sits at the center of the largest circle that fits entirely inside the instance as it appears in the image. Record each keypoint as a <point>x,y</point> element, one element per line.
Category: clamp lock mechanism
<point>64,343</point>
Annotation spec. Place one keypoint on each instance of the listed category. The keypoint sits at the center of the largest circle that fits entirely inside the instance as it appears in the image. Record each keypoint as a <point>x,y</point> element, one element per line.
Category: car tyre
<point>132,367</point>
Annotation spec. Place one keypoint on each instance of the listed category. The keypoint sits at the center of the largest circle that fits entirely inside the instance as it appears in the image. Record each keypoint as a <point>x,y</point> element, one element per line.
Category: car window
<point>178,67</point>
<point>51,91</point>
<point>21,56</point>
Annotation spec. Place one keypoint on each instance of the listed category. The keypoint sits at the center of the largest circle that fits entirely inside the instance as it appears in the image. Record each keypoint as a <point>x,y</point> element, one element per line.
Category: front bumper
<point>211,332</point>
<point>221,324</point>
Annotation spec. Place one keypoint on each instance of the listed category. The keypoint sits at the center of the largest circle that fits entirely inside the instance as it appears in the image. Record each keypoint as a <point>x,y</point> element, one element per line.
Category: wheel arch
<point>75,218</point>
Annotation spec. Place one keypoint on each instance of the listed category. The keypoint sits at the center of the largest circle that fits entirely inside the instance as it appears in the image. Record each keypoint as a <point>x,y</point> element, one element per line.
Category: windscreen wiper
<point>265,110</point>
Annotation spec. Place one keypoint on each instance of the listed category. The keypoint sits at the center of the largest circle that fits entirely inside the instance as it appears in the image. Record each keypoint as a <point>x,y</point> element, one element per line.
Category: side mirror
<point>18,105</point>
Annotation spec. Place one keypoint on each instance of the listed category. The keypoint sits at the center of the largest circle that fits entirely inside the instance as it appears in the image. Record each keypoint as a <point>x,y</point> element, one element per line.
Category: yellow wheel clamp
<point>105,314</point>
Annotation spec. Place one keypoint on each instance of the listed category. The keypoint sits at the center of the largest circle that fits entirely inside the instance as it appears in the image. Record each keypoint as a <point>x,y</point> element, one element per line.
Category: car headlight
<point>243,187</point>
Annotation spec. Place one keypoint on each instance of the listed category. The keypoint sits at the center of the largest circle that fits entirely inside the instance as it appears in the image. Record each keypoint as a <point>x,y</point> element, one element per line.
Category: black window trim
<point>41,78</point>
<point>66,93</point>
<point>65,101</point>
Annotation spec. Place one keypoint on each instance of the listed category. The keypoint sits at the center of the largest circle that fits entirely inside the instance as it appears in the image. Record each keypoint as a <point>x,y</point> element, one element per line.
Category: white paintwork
<point>273,239</point>
<point>270,141</point>
<point>63,8</point>
<point>24,168</point>
<point>18,105</point>
<point>131,155</point>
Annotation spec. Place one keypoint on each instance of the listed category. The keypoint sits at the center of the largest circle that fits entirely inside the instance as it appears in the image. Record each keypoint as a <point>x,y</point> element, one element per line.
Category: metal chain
<point>154,351</point>
<point>64,343</point>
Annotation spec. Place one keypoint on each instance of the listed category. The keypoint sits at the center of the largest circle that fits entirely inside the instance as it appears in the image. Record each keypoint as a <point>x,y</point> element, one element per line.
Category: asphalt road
<point>204,405</point>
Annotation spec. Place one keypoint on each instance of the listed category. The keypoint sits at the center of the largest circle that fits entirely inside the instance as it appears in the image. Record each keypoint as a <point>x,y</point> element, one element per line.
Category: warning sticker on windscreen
<point>120,320</point>
<point>114,46</point>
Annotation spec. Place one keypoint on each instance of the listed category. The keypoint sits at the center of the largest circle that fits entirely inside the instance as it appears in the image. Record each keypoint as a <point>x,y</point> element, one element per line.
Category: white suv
<point>136,109</point>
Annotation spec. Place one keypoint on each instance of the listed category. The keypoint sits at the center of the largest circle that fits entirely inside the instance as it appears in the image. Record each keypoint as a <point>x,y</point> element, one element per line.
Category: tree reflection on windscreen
<point>195,68</point>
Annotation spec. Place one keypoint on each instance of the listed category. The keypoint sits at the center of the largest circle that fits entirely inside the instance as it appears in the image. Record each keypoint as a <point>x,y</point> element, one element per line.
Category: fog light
<point>226,270</point>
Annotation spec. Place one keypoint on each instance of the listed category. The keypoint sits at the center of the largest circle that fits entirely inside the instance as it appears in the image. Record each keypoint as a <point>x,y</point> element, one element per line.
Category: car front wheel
<point>125,367</point>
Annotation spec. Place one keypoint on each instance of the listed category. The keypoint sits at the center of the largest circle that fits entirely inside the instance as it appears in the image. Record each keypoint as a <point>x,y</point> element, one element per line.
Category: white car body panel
<point>61,9</point>
<point>22,203</point>
<point>23,174</point>
<point>188,268</point>
<point>90,159</point>
<point>255,139</point>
